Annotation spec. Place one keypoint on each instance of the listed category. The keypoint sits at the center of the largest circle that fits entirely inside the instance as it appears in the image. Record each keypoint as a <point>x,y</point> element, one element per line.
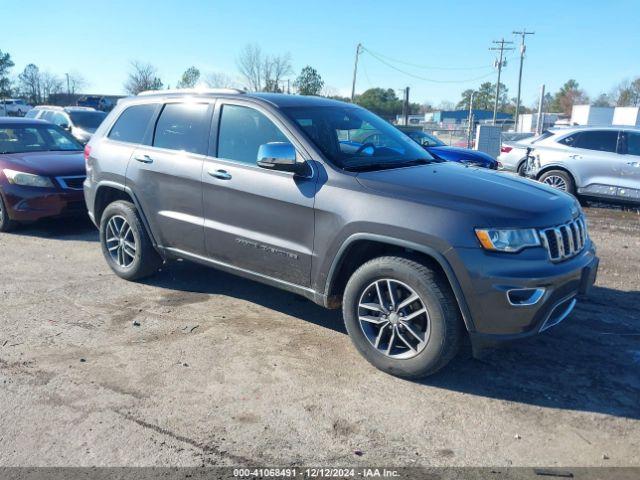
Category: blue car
<point>440,150</point>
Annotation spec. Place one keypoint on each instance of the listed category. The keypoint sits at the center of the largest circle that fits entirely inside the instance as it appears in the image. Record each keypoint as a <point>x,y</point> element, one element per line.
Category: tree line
<point>625,94</point>
<point>258,71</point>
<point>36,85</point>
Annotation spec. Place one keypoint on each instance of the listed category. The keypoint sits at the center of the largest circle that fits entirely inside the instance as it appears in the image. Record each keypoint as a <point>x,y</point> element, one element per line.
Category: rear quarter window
<point>132,123</point>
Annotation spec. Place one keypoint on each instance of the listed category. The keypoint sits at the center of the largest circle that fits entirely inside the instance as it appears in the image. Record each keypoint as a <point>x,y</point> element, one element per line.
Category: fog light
<point>524,297</point>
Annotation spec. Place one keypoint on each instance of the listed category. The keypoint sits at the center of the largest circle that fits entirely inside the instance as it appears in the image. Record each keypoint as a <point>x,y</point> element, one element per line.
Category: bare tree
<point>260,72</point>
<point>76,82</point>
<point>250,66</point>
<point>143,76</point>
<point>220,80</point>
<point>29,84</point>
<point>50,84</point>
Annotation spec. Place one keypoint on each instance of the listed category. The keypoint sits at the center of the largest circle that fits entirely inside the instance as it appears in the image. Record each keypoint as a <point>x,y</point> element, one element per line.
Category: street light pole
<point>523,48</point>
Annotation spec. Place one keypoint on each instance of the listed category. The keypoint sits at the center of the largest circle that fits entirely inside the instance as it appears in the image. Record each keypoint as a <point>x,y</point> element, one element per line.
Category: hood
<point>49,164</point>
<point>457,154</point>
<point>492,198</point>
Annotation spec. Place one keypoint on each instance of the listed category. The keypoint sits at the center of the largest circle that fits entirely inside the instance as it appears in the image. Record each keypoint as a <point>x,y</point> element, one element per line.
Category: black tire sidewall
<point>560,173</point>
<point>6,224</point>
<point>429,359</point>
<point>127,211</point>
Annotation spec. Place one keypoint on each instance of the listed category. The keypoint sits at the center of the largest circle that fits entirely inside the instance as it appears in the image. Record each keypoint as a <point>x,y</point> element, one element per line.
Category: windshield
<point>424,139</point>
<point>355,139</point>
<point>35,138</point>
<point>87,120</point>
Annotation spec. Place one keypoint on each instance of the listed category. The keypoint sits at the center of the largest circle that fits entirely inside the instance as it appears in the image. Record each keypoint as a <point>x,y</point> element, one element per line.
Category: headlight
<point>27,179</point>
<point>507,240</point>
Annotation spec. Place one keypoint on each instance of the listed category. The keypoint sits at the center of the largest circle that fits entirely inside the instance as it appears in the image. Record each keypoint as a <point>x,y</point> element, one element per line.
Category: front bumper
<point>28,204</point>
<point>488,281</point>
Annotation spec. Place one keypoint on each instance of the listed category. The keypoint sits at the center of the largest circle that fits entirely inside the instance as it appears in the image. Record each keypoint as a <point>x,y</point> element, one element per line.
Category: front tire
<point>6,224</point>
<point>402,317</point>
<point>125,243</point>
<point>559,179</point>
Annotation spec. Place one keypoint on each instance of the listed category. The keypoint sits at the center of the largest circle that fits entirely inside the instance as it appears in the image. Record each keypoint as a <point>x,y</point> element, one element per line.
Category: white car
<point>513,154</point>
<point>594,162</point>
<point>14,107</point>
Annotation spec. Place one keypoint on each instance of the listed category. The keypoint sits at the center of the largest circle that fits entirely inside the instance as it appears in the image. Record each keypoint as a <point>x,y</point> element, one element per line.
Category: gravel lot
<point>196,367</point>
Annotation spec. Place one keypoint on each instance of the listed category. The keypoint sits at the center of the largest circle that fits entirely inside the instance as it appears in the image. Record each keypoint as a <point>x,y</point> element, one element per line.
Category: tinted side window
<point>604,140</point>
<point>184,127</point>
<point>633,143</point>
<point>132,124</point>
<point>242,131</point>
<point>47,115</point>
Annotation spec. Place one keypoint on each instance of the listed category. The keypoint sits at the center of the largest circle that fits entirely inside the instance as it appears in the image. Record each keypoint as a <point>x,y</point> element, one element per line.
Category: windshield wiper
<point>364,167</point>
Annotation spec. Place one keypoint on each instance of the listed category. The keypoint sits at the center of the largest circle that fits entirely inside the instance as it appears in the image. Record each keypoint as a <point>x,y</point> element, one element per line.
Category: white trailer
<point>589,115</point>
<point>627,116</point>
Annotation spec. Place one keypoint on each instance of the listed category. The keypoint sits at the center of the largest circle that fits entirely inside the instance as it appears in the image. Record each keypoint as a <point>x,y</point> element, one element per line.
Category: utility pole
<point>470,121</point>
<point>68,89</point>
<point>540,114</point>
<point>501,62</point>
<point>405,106</point>
<point>523,48</point>
<point>355,72</point>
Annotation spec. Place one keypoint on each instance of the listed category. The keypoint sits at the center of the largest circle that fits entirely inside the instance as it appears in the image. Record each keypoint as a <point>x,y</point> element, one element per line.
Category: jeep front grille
<point>565,241</point>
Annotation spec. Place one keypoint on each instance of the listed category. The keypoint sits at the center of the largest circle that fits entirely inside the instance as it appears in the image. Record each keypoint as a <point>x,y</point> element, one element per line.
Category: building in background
<point>461,116</point>
<point>528,122</point>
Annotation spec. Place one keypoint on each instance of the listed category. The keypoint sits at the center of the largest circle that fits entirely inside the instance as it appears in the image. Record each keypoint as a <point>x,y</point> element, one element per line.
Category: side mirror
<point>278,156</point>
<point>65,126</point>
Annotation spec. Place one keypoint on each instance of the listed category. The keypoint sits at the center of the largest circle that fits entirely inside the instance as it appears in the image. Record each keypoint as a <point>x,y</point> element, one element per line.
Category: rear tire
<point>125,243</point>
<point>521,167</point>
<point>6,224</point>
<point>559,179</point>
<point>425,342</point>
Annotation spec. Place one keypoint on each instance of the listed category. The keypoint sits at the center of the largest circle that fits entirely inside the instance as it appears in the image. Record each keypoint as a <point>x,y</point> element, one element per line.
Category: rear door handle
<point>577,157</point>
<point>634,164</point>
<point>220,174</point>
<point>143,159</point>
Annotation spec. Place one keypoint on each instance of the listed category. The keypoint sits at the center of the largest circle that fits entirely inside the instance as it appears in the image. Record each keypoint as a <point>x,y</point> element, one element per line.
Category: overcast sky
<point>595,42</point>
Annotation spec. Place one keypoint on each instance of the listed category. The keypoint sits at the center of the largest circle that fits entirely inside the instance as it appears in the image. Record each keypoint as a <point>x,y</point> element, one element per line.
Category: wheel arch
<point>362,247</point>
<point>109,192</point>
<point>555,166</point>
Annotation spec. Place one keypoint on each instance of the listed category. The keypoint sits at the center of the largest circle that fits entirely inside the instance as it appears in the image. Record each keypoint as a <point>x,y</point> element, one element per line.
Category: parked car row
<point>295,192</point>
<point>41,172</point>
<point>589,162</point>
<point>81,122</point>
<point>14,107</point>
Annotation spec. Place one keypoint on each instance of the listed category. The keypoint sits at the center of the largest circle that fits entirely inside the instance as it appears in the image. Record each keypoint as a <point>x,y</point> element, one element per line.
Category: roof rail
<point>196,91</point>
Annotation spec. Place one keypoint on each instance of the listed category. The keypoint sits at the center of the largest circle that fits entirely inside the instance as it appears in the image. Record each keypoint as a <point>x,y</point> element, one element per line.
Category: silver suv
<point>593,162</point>
<point>276,188</point>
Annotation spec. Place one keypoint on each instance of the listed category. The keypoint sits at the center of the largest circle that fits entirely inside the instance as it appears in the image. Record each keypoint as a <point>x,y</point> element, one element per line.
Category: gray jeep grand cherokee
<point>272,187</point>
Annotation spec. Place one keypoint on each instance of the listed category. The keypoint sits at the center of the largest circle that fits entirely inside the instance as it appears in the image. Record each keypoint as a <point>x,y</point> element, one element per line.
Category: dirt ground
<point>196,367</point>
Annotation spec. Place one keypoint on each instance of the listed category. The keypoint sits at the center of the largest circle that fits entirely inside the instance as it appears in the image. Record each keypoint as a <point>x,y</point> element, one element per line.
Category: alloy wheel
<point>120,241</point>
<point>556,181</point>
<point>394,319</point>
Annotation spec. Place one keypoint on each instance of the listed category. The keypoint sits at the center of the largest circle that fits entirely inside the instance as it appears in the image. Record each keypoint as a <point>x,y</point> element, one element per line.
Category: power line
<point>419,77</point>
<point>425,67</point>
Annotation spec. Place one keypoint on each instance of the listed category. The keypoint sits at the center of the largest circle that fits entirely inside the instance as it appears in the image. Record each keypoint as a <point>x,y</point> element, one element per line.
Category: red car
<point>41,172</point>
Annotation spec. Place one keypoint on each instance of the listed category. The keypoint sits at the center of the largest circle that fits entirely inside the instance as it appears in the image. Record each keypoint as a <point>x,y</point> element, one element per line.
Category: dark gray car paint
<point>292,231</point>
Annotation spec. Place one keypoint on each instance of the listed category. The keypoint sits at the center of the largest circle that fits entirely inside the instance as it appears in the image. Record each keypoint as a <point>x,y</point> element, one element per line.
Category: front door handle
<point>577,157</point>
<point>634,164</point>
<point>220,174</point>
<point>143,159</point>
